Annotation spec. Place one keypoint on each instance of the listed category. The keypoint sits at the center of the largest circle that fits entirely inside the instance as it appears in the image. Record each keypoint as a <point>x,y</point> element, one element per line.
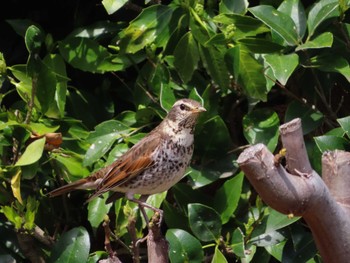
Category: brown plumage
<point>154,164</point>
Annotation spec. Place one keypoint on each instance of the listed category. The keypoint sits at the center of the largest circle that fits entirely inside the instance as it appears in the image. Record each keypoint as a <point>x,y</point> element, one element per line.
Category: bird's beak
<point>199,109</point>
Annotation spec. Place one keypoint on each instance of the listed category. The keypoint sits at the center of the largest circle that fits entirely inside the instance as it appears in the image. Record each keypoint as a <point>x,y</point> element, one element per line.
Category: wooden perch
<point>298,189</point>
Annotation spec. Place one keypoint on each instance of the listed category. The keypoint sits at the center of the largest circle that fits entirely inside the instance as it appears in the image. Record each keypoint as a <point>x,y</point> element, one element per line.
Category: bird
<point>153,165</point>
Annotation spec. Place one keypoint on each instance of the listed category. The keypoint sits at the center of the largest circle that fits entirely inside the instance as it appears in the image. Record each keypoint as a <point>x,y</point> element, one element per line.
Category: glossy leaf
<point>215,139</point>
<point>186,57</point>
<point>213,60</point>
<point>218,256</point>
<point>56,64</point>
<point>72,247</point>
<point>300,248</point>
<point>331,143</point>
<point>345,125</point>
<point>16,185</point>
<point>97,210</point>
<point>319,12</point>
<point>251,77</point>
<point>237,7</point>
<point>322,41</point>
<point>261,126</point>
<point>310,118</point>
<point>295,10</point>
<point>227,196</point>
<point>33,39</point>
<point>282,65</point>
<point>183,247</point>
<point>332,63</point>
<point>112,6</point>
<point>204,221</point>
<point>32,153</point>
<point>244,26</point>
<point>144,29</point>
<point>102,139</point>
<point>237,243</point>
<point>87,55</point>
<point>279,22</point>
<point>270,231</point>
<point>259,46</point>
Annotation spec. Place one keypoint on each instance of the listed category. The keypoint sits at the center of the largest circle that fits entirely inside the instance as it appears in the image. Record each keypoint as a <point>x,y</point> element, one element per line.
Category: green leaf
<point>322,41</point>
<point>112,6</point>
<point>71,164</point>
<point>57,66</point>
<point>279,22</point>
<point>259,46</point>
<point>295,10</point>
<point>33,39</point>
<point>45,87</point>
<point>276,250</point>
<point>213,60</point>
<point>97,210</point>
<point>269,231</point>
<point>229,6</point>
<point>145,28</point>
<point>261,126</point>
<point>319,12</point>
<point>186,57</point>
<point>204,221</point>
<point>331,143</point>
<point>310,118</point>
<point>214,140</point>
<point>244,26</point>
<point>237,243</point>
<point>300,247</point>
<point>282,65</point>
<point>345,125</point>
<point>32,206</point>
<point>332,63</point>
<point>218,256</point>
<point>72,247</point>
<point>102,139</point>
<point>32,153</point>
<point>251,77</point>
<point>227,196</point>
<point>183,247</point>
<point>87,55</point>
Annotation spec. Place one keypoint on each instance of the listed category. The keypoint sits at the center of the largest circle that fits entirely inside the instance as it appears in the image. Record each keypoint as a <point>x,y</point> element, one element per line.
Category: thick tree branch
<point>302,192</point>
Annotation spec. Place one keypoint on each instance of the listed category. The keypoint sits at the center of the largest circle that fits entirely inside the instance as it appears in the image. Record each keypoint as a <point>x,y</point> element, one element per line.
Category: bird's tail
<point>79,184</point>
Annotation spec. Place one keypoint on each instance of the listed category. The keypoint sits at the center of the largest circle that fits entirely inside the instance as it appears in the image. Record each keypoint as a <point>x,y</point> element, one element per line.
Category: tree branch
<point>302,192</point>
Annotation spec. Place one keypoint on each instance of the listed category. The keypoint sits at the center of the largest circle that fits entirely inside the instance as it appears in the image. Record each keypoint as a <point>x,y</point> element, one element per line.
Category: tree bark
<point>297,189</point>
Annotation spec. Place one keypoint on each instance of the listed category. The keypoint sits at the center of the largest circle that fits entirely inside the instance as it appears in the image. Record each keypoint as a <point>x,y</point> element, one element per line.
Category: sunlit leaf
<point>97,210</point>
<point>282,65</point>
<point>320,12</point>
<point>322,41</point>
<point>279,22</point>
<point>183,247</point>
<point>144,29</point>
<point>112,6</point>
<point>16,186</point>
<point>32,153</point>
<point>72,247</point>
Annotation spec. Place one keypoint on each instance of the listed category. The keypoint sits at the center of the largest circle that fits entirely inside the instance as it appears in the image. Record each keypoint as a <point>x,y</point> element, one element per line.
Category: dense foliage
<point>82,81</point>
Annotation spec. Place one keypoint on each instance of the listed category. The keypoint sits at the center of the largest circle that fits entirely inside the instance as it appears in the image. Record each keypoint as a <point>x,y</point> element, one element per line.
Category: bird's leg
<point>142,204</point>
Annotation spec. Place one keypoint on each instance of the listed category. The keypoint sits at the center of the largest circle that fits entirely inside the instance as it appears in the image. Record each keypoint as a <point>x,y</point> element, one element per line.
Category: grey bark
<point>297,189</point>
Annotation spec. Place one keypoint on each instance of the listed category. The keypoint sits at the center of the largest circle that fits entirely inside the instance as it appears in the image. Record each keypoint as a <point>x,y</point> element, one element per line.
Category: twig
<point>31,99</point>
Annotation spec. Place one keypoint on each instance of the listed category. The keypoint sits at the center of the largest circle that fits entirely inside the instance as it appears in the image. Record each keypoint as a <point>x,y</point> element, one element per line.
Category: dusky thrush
<point>153,165</point>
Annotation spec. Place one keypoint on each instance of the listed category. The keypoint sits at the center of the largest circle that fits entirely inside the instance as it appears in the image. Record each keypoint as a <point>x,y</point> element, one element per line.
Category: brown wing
<point>132,163</point>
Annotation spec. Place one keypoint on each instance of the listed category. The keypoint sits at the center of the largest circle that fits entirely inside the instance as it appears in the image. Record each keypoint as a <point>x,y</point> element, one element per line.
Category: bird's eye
<point>182,107</point>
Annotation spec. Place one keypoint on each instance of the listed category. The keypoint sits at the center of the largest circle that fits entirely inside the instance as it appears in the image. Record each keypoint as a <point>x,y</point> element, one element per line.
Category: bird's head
<point>185,112</point>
